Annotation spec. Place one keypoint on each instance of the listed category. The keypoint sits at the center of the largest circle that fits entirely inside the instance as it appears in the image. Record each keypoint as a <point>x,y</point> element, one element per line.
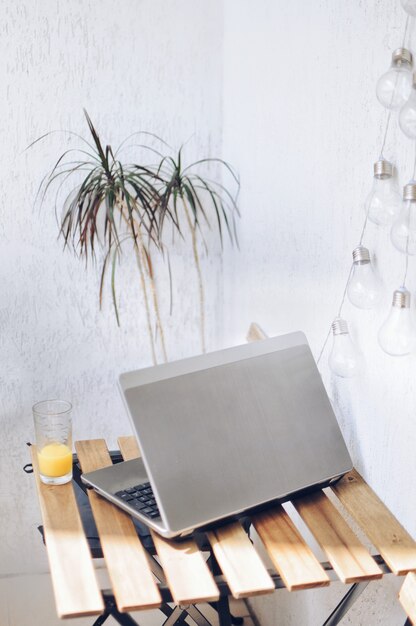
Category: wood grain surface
<point>407,596</point>
<point>290,554</point>
<point>393,542</point>
<point>131,577</point>
<point>239,561</point>
<point>73,576</point>
<point>348,556</point>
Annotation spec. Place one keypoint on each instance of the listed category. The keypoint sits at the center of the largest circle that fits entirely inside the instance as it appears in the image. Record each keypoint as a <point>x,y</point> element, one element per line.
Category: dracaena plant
<point>115,206</point>
<point>185,193</point>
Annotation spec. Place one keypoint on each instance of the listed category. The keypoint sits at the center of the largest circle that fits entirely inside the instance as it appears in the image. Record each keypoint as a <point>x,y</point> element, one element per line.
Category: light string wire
<point>364,228</point>
<point>406,265</point>
<point>405,31</point>
<point>381,157</point>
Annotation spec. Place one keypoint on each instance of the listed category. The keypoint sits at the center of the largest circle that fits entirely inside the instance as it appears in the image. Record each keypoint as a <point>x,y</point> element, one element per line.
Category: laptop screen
<point>235,430</point>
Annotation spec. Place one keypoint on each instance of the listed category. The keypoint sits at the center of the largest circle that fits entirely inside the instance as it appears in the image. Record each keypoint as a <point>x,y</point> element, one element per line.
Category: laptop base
<point>111,481</point>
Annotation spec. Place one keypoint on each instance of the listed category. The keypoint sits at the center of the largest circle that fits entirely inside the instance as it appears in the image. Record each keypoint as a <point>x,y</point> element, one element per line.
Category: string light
<point>403,232</point>
<point>364,287</point>
<point>407,116</point>
<point>383,203</point>
<point>397,336</point>
<point>344,358</point>
<point>409,6</point>
<point>393,87</point>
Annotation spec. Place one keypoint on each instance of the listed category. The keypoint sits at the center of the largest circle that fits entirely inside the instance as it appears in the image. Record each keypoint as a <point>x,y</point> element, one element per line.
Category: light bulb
<point>344,359</point>
<point>394,86</point>
<point>383,202</point>
<point>397,336</point>
<point>409,6</point>
<point>407,116</point>
<point>364,288</point>
<point>403,231</point>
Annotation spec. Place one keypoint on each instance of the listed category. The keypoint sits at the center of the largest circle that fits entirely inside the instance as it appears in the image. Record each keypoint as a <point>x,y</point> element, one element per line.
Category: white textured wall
<point>134,64</point>
<point>301,124</point>
<point>303,127</point>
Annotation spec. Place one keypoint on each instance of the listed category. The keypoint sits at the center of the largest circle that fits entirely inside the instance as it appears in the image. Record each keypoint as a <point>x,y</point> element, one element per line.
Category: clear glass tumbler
<point>53,430</point>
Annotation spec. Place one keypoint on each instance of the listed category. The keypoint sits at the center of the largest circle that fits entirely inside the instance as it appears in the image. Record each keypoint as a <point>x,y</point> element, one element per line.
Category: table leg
<point>346,603</point>
<point>167,611</point>
<point>174,616</point>
<point>235,621</point>
<point>101,619</point>
<point>197,616</point>
<point>223,609</point>
<point>111,609</point>
<point>124,619</point>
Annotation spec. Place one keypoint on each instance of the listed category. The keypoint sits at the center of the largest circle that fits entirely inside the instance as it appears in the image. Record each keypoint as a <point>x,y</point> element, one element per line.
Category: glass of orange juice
<point>53,429</point>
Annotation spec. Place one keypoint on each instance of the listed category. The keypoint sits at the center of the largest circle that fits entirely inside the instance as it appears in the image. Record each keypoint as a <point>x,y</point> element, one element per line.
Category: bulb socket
<point>402,55</point>
<point>383,169</point>
<point>401,298</point>
<point>409,191</point>
<point>360,255</point>
<point>339,327</point>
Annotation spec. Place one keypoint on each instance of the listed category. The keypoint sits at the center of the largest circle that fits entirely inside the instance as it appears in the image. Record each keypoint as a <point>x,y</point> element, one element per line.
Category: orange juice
<point>55,459</point>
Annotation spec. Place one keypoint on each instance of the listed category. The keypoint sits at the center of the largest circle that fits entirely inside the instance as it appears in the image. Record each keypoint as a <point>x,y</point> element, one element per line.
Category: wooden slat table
<point>179,572</point>
<point>189,580</point>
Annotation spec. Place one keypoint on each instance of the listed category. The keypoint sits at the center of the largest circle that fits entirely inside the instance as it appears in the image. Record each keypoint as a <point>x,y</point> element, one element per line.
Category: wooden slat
<point>255,333</point>
<point>73,576</point>
<point>407,596</point>
<point>129,447</point>
<point>239,561</point>
<point>187,574</point>
<point>389,537</point>
<point>348,556</point>
<point>128,567</point>
<point>292,557</point>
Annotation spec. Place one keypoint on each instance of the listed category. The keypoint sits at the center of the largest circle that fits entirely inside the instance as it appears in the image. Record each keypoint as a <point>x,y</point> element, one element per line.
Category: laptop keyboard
<point>140,498</point>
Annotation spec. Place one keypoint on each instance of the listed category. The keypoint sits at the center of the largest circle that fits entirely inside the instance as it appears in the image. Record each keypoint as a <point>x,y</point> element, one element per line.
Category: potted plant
<point>116,206</point>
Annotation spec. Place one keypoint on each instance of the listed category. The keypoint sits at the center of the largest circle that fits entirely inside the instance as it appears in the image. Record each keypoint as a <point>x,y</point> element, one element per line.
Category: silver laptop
<point>224,434</point>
